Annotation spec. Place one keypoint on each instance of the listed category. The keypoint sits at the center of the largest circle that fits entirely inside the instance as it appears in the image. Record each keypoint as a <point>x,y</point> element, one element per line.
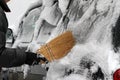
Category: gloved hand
<point>33,59</point>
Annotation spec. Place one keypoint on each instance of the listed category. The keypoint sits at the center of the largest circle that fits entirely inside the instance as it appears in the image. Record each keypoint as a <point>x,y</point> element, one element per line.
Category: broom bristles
<point>58,47</point>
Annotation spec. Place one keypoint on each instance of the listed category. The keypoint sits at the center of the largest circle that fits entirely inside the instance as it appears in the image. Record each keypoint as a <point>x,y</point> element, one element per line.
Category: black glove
<point>30,58</point>
<point>34,59</point>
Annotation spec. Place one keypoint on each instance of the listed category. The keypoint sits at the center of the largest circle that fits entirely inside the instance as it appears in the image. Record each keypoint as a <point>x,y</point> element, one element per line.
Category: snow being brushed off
<point>98,53</point>
<point>57,69</point>
<point>102,54</point>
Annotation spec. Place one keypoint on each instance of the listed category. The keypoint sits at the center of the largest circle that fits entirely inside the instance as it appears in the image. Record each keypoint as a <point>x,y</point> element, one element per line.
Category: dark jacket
<point>8,57</point>
<point>4,6</point>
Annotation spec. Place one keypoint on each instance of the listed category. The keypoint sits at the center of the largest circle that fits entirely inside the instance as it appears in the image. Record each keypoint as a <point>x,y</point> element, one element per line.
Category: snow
<point>63,5</point>
<point>92,30</point>
<point>26,70</point>
<point>103,5</point>
<point>93,34</point>
<point>17,10</point>
<point>113,60</point>
<point>51,14</point>
<point>75,77</point>
<point>94,52</point>
<point>48,3</point>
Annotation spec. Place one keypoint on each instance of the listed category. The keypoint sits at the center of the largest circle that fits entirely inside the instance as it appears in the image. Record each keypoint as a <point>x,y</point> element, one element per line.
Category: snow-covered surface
<point>91,22</point>
<point>63,5</point>
<point>92,30</point>
<point>48,3</point>
<point>18,8</point>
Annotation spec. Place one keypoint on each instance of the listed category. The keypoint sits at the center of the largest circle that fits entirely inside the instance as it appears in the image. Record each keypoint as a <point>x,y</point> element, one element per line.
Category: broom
<point>58,47</point>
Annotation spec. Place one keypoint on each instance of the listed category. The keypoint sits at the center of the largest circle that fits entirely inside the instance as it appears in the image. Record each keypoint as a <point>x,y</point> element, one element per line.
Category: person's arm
<point>10,57</point>
<point>13,57</point>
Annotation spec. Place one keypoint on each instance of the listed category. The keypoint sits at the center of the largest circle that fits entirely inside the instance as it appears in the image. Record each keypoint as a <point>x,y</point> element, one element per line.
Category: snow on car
<point>95,55</point>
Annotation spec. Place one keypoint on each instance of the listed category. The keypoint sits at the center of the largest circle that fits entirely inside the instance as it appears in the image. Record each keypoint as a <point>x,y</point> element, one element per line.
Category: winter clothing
<point>11,57</point>
<point>32,60</point>
<point>4,6</point>
<point>30,57</point>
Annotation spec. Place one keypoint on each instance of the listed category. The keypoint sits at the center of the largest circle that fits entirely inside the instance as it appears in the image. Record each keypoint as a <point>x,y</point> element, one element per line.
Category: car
<point>27,31</point>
